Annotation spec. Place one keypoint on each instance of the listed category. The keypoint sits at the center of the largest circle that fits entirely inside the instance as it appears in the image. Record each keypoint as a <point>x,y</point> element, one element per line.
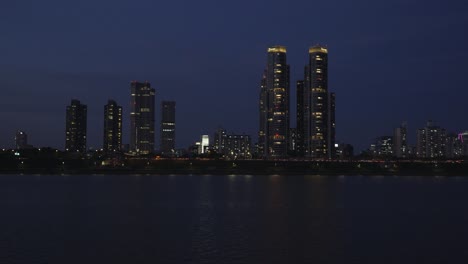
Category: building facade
<point>400,145</point>
<point>238,147</point>
<point>21,140</point>
<point>112,127</point>
<point>292,149</point>
<point>463,139</point>
<point>76,127</point>
<point>263,124</point>
<point>318,107</point>
<point>219,140</point>
<point>142,113</point>
<point>299,144</point>
<point>274,105</point>
<point>168,126</point>
<point>453,146</point>
<point>331,125</point>
<point>382,147</point>
<point>431,142</point>
<point>204,144</point>
<point>344,151</point>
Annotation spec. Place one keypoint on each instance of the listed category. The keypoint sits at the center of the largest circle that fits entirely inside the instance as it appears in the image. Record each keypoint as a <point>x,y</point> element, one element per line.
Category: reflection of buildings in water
<point>203,229</point>
<point>305,214</point>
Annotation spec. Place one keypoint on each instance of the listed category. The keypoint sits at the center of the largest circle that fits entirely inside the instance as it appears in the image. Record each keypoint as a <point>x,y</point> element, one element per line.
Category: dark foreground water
<point>233,219</point>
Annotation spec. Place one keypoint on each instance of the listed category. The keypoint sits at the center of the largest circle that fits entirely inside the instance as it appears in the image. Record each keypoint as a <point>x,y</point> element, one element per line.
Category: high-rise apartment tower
<point>318,107</point>
<point>112,127</point>
<point>168,125</point>
<point>142,113</point>
<point>274,105</point>
<point>76,127</point>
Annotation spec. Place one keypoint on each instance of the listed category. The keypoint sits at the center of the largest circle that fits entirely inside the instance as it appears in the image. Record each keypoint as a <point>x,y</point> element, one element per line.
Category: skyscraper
<point>331,124</point>
<point>168,127</point>
<point>318,106</point>
<point>431,141</point>
<point>463,139</point>
<point>453,146</point>
<point>204,144</point>
<point>292,148</point>
<point>400,146</point>
<point>219,140</point>
<point>112,127</point>
<point>76,127</point>
<point>263,125</point>
<point>299,146</point>
<point>21,140</point>
<point>274,105</point>
<point>142,118</point>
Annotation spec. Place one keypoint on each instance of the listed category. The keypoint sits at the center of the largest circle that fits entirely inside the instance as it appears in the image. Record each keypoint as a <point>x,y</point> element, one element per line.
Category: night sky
<point>389,61</point>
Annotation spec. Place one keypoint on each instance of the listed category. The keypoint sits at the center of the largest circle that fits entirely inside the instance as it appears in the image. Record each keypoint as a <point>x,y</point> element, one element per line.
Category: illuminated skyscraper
<point>431,142</point>
<point>76,127</point>
<point>318,106</point>
<point>204,144</point>
<point>142,118</point>
<point>274,105</point>
<point>112,127</point>
<point>168,127</point>
<point>219,140</point>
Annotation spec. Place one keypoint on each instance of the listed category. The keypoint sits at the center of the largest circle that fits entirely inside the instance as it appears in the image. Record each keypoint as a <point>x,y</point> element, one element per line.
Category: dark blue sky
<point>389,61</point>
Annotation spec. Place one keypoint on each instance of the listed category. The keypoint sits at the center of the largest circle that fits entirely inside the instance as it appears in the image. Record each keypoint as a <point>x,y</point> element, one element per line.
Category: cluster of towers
<point>314,135</point>
<point>142,124</point>
<point>432,142</point>
<point>315,109</point>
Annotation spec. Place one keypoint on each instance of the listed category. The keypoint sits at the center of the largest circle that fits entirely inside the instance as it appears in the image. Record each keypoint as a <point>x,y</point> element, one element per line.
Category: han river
<point>233,219</point>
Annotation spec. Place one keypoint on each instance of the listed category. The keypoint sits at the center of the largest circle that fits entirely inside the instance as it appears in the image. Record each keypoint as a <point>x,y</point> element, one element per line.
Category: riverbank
<point>245,167</point>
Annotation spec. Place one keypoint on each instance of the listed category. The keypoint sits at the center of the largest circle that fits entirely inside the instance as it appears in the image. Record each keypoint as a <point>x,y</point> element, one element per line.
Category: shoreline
<point>248,167</point>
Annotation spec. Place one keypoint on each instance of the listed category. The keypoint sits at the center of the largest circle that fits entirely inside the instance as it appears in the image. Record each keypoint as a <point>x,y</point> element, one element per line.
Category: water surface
<point>233,219</point>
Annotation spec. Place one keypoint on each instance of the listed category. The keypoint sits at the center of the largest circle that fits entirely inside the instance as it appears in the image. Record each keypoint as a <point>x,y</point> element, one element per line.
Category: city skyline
<point>144,88</point>
<point>386,56</point>
<point>265,131</point>
<point>432,142</point>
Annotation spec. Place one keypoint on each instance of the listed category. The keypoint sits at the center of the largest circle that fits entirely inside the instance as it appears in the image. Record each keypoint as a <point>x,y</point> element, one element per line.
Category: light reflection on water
<point>232,219</point>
